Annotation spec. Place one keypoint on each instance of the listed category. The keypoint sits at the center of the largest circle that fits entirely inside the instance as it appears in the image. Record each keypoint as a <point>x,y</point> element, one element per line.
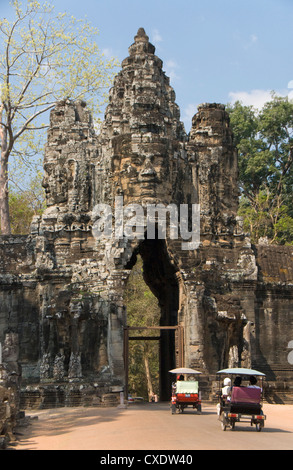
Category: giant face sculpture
<point>55,183</point>
<point>142,171</point>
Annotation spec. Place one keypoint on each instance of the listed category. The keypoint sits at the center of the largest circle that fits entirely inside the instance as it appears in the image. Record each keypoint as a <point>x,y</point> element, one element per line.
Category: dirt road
<point>151,427</point>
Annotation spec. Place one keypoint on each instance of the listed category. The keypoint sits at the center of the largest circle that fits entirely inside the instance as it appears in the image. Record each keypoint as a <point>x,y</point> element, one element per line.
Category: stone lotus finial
<point>141,43</point>
<point>141,35</point>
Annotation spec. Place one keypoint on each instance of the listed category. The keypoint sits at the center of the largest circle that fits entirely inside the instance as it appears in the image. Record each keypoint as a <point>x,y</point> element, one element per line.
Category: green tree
<point>24,205</point>
<point>44,57</point>
<point>265,146</point>
<point>142,310</point>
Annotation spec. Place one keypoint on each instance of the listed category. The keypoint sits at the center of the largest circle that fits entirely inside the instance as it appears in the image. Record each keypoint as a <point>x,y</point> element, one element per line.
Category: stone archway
<point>161,276</point>
<point>61,288</point>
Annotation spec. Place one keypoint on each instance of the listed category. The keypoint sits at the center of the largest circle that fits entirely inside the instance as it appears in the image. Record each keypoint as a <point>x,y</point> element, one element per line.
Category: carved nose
<point>45,183</point>
<point>148,169</point>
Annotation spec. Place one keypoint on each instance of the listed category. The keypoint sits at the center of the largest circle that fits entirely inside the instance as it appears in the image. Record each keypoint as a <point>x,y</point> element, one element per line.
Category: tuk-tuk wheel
<point>223,426</point>
<point>223,422</point>
<point>258,427</point>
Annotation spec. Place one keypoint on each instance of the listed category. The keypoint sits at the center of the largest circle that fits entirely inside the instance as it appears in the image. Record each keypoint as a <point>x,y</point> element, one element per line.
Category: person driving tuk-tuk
<point>226,390</point>
<point>225,394</point>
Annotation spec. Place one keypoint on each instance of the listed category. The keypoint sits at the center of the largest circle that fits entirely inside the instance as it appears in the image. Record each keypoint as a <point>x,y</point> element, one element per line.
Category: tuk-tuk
<point>185,390</point>
<point>242,399</point>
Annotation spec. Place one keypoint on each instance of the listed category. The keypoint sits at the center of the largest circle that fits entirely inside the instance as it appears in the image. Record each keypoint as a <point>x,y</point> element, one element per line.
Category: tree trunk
<point>4,197</point>
<point>148,374</point>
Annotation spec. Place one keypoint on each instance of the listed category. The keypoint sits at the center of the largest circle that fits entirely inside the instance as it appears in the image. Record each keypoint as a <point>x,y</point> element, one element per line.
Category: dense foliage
<point>24,205</point>
<point>265,147</point>
<point>142,310</point>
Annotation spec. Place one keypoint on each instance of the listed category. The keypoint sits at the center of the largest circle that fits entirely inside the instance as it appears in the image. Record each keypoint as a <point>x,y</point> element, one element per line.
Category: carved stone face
<point>55,184</point>
<point>142,172</point>
<point>58,181</point>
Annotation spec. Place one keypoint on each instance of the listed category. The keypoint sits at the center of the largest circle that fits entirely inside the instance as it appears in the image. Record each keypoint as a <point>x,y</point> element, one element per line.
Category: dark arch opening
<point>159,274</point>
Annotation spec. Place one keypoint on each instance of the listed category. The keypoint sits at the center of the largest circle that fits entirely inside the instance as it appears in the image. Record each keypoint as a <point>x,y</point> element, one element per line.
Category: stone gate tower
<point>62,287</point>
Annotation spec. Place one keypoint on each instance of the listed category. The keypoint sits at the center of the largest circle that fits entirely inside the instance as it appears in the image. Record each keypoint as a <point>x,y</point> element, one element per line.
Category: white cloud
<point>156,37</point>
<point>171,69</point>
<point>256,98</point>
<point>189,111</point>
<point>107,52</point>
<point>253,39</point>
<point>290,94</point>
<point>171,64</point>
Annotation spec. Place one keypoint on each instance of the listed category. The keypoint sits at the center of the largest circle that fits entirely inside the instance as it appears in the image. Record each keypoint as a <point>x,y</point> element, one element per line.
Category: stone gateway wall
<point>62,286</point>
<point>10,374</point>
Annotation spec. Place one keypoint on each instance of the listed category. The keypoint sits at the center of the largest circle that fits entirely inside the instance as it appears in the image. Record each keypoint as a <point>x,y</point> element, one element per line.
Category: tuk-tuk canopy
<point>240,371</point>
<point>184,370</point>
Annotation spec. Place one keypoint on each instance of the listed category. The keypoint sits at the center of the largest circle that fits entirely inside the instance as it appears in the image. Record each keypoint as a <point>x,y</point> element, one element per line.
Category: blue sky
<point>213,50</point>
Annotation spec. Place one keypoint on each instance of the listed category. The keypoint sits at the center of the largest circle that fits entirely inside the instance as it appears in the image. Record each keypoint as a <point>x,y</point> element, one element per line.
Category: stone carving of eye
<point>138,161</point>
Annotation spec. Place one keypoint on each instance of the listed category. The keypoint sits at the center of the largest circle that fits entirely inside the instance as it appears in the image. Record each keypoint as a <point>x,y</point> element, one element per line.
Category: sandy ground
<point>150,427</point>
